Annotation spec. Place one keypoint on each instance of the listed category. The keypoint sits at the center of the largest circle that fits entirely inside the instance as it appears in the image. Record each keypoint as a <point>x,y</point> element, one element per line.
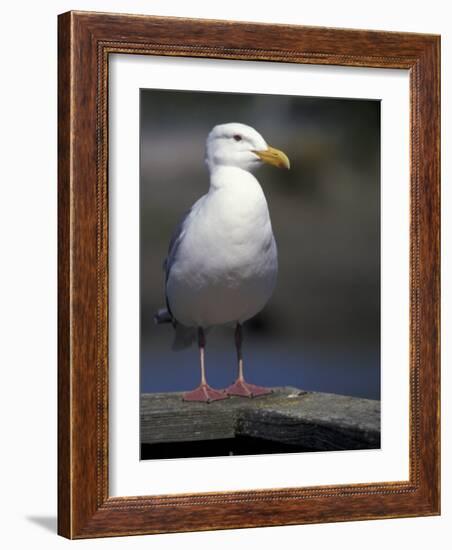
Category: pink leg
<point>203,392</point>
<point>240,387</point>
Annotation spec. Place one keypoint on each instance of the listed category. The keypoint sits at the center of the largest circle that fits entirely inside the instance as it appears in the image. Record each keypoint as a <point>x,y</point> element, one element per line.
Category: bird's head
<point>239,145</point>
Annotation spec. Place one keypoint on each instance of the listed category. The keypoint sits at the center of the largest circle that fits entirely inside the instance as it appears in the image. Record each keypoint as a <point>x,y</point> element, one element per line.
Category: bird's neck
<point>223,176</point>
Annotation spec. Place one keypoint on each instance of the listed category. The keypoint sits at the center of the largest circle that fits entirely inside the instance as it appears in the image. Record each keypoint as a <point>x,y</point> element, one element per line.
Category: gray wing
<point>174,244</point>
<point>175,241</point>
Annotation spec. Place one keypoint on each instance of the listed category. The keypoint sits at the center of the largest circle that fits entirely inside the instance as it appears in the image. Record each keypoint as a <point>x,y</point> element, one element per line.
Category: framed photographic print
<point>248,275</point>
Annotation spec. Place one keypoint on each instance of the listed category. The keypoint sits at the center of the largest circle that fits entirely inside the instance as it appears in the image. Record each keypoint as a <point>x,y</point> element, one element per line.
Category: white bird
<point>222,261</point>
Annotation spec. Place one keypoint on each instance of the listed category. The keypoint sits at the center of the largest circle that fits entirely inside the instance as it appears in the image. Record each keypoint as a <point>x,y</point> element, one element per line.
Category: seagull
<point>222,262</point>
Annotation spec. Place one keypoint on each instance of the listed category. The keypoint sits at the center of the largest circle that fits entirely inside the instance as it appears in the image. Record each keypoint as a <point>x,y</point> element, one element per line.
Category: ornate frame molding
<point>85,42</point>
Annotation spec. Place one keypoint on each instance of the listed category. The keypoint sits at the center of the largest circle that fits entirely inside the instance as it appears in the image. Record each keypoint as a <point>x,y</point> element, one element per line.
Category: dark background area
<point>321,329</point>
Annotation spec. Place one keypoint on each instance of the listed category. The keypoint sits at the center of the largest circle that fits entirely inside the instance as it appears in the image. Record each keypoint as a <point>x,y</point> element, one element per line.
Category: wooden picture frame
<point>85,42</point>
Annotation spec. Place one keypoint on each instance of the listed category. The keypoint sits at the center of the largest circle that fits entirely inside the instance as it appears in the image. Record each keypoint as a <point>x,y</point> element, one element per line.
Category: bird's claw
<point>205,394</point>
<point>241,388</point>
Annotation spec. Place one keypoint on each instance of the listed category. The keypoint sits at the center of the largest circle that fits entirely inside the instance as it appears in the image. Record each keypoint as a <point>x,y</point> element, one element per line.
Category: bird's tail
<point>162,316</point>
<point>183,336</point>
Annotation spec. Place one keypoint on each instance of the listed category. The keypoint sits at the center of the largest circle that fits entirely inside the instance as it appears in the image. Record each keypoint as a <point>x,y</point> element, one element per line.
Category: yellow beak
<point>274,156</point>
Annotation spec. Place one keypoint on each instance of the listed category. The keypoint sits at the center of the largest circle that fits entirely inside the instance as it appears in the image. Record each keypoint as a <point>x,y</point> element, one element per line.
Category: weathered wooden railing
<point>288,420</point>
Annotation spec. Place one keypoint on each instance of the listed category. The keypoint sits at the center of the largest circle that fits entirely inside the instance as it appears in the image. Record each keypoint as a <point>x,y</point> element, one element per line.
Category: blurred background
<point>321,329</point>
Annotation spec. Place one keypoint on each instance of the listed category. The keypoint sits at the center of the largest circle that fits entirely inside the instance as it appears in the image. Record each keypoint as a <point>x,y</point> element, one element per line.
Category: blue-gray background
<point>321,329</point>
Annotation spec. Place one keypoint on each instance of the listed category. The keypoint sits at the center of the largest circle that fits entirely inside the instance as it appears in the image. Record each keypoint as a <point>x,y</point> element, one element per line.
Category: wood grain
<point>85,41</point>
<point>64,294</point>
<point>309,420</point>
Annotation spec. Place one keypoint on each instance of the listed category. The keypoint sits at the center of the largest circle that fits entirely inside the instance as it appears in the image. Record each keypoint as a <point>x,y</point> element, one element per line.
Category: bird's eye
<point>237,137</point>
